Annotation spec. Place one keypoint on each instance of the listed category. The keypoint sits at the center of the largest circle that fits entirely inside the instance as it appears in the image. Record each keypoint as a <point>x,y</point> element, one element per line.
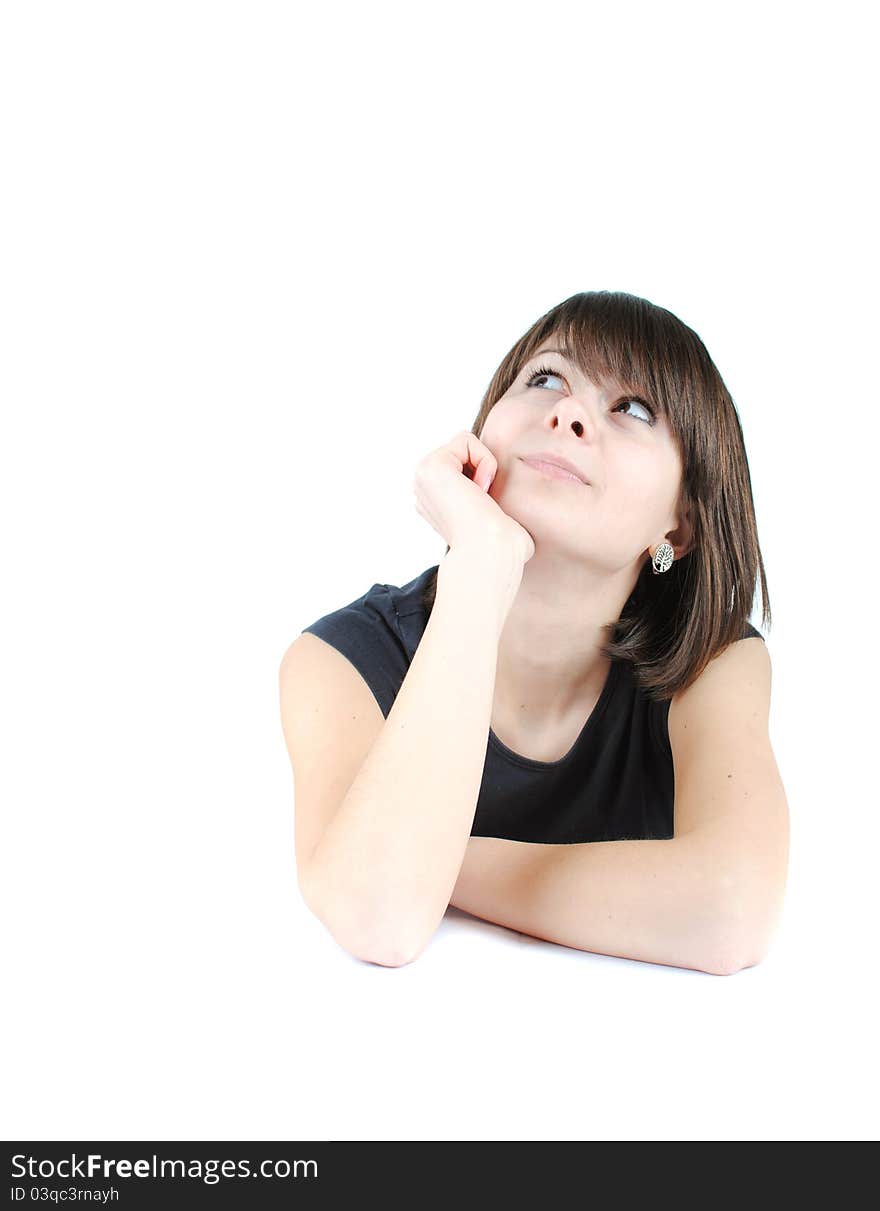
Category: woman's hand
<point>452,494</point>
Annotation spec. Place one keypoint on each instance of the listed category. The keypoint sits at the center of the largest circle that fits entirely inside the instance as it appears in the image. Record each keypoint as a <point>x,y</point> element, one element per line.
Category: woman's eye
<point>648,419</point>
<point>543,372</point>
<point>644,407</point>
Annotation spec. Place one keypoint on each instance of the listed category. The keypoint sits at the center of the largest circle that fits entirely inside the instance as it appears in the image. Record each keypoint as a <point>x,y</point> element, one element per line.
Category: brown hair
<point>674,623</point>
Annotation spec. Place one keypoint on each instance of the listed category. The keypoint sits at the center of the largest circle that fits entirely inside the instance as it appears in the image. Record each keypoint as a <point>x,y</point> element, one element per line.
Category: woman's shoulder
<point>378,632</point>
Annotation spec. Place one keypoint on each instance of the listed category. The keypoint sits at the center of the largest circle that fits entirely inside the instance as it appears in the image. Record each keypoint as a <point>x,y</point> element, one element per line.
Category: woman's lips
<point>552,471</point>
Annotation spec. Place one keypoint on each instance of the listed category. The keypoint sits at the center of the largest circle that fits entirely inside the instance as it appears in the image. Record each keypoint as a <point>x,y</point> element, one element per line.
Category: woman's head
<point>631,397</point>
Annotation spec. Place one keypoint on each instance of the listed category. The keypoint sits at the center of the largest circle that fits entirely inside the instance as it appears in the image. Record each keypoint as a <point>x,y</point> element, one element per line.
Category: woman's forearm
<point>659,901</point>
<point>384,870</point>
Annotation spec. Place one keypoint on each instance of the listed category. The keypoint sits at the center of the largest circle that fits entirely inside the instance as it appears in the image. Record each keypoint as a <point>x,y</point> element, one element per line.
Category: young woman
<point>563,726</point>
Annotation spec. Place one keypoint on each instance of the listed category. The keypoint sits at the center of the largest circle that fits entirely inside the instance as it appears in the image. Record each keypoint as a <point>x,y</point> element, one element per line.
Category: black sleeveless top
<point>615,782</point>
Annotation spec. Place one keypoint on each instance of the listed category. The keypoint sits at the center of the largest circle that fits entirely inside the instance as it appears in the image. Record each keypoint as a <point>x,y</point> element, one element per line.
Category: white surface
<point>258,260</point>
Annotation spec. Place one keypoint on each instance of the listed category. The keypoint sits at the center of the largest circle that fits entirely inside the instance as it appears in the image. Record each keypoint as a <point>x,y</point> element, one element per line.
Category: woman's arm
<point>386,864</point>
<point>657,901</point>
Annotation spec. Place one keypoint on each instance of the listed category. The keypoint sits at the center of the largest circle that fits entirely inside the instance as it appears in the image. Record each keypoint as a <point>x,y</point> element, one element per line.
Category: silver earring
<point>662,560</point>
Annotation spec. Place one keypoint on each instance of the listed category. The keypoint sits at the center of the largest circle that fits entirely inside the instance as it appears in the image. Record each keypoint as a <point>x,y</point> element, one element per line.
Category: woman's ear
<point>682,537</point>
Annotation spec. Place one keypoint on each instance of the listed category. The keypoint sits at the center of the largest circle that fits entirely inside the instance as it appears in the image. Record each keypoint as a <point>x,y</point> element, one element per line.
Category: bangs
<point>614,361</point>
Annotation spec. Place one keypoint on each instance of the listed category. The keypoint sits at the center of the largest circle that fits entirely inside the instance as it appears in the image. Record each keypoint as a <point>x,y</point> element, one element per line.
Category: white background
<point>257,260</point>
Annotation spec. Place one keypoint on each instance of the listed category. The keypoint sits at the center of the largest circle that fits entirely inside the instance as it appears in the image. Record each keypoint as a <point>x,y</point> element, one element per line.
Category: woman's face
<point>629,458</point>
